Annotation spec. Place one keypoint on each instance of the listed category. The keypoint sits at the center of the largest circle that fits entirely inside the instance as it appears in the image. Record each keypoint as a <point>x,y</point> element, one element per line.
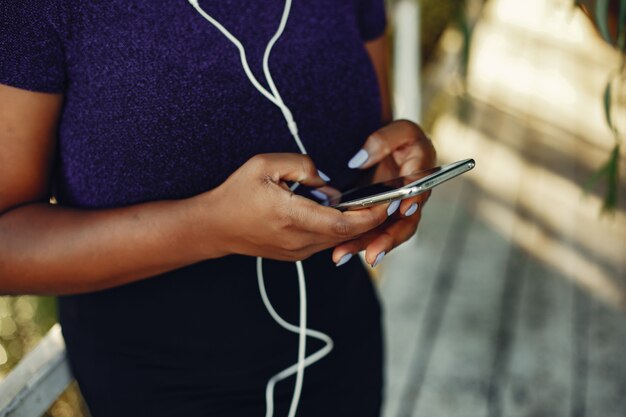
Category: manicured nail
<point>379,258</point>
<point>358,159</point>
<point>345,258</point>
<point>319,195</point>
<point>393,207</point>
<point>323,176</point>
<point>412,209</point>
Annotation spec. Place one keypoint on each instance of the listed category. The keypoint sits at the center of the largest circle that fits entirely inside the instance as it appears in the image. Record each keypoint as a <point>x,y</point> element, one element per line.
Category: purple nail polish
<point>393,206</point>
<point>319,195</point>
<point>345,258</point>
<point>358,159</point>
<point>379,258</point>
<point>323,176</point>
<point>411,210</point>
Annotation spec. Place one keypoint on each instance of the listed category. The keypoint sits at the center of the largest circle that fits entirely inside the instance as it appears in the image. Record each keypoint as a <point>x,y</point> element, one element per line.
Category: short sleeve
<point>372,18</point>
<point>31,50</point>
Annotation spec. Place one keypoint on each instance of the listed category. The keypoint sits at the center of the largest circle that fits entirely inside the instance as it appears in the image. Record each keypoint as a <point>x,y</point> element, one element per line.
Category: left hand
<point>397,149</point>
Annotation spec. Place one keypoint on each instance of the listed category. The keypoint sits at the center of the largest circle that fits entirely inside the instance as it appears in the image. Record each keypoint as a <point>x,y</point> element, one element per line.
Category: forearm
<point>47,249</point>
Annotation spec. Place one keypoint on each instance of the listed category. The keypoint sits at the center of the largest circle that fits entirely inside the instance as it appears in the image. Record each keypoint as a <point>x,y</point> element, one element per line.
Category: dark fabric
<point>155,348</point>
<point>156,107</point>
<point>157,104</point>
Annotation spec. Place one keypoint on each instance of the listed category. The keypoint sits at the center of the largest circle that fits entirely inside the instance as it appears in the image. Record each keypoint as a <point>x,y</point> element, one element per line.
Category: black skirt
<point>198,341</point>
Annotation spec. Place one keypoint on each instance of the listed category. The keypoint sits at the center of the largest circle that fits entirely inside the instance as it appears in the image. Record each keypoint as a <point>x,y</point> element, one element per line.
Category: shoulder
<point>371,18</point>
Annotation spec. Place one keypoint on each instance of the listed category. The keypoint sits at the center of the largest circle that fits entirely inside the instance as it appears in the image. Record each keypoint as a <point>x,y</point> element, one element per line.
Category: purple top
<point>157,105</point>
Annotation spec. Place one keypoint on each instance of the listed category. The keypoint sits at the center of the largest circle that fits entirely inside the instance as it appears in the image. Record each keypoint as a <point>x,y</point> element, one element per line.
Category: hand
<point>255,213</point>
<point>397,149</point>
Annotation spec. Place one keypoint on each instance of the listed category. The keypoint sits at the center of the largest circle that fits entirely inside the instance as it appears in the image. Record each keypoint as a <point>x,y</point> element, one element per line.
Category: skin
<point>51,249</point>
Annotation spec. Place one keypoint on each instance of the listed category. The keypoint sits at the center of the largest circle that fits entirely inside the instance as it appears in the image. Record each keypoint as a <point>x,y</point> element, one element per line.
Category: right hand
<point>254,213</point>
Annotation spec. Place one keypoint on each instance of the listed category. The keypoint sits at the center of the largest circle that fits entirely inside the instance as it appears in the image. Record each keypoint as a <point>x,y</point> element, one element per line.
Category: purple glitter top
<point>157,105</point>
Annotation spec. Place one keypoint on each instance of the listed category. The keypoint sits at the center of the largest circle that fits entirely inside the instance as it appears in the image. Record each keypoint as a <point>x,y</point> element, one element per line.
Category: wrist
<point>204,236</point>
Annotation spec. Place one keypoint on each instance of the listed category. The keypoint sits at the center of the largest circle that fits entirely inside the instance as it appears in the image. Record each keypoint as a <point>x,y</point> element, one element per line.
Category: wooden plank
<point>606,361</point>
<point>38,380</point>
<point>464,351</point>
<point>540,374</point>
<point>580,362</point>
<point>413,324</point>
<point>408,278</point>
<point>457,375</point>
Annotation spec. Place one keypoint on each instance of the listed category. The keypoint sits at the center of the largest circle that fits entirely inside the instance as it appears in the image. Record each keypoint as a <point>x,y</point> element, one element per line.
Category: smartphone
<point>398,188</point>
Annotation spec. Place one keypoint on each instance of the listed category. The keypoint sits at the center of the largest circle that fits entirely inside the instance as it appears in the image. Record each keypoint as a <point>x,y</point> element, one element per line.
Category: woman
<point>169,171</point>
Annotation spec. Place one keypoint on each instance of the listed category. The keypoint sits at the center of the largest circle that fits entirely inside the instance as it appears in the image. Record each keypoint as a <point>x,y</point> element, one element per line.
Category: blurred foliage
<point>24,320</point>
<point>609,18</point>
<point>436,16</point>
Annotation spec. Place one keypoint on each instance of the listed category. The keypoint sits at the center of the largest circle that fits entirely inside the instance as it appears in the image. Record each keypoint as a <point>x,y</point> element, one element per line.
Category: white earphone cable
<point>309,360</point>
<point>274,97</point>
<point>301,330</point>
<point>242,51</point>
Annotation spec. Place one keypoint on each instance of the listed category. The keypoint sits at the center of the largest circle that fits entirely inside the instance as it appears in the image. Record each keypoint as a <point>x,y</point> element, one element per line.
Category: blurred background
<point>511,299</point>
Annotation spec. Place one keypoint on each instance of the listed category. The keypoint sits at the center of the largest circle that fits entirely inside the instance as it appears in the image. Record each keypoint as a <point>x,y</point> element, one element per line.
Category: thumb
<point>293,167</point>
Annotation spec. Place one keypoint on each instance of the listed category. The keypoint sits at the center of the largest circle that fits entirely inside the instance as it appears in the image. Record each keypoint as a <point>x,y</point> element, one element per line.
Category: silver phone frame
<point>446,173</point>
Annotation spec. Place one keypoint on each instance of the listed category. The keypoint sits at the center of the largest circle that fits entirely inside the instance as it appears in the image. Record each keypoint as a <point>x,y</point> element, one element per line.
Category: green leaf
<point>612,181</point>
<point>602,19</point>
<point>607,104</point>
<point>609,171</point>
<point>595,177</point>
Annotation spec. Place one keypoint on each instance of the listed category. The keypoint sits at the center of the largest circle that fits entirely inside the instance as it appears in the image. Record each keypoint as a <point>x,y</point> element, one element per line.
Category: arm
<point>59,250</point>
<point>53,249</point>
<point>378,51</point>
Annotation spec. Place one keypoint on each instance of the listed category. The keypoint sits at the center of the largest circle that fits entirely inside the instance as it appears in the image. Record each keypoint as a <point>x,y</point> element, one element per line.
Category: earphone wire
<point>309,360</point>
<point>301,330</point>
<point>274,96</point>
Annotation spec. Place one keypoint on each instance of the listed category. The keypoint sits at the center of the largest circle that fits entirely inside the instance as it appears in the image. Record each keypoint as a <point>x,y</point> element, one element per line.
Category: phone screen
<point>380,187</point>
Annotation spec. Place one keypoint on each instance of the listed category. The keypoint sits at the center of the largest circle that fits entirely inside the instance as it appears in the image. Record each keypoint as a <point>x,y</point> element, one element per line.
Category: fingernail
<point>319,195</point>
<point>412,209</point>
<point>379,258</point>
<point>323,176</point>
<point>345,258</point>
<point>358,159</point>
<point>393,207</point>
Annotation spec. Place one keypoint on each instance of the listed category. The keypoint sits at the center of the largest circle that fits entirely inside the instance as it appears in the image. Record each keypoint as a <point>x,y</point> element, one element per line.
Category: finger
<point>408,207</point>
<point>377,243</point>
<point>385,141</point>
<point>356,245</point>
<point>330,192</point>
<point>392,237</point>
<point>280,167</point>
<point>409,155</point>
<point>304,214</point>
<point>409,160</point>
<point>326,194</point>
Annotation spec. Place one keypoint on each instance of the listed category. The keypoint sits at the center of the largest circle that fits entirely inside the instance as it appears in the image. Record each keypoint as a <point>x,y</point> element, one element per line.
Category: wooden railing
<point>38,380</point>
